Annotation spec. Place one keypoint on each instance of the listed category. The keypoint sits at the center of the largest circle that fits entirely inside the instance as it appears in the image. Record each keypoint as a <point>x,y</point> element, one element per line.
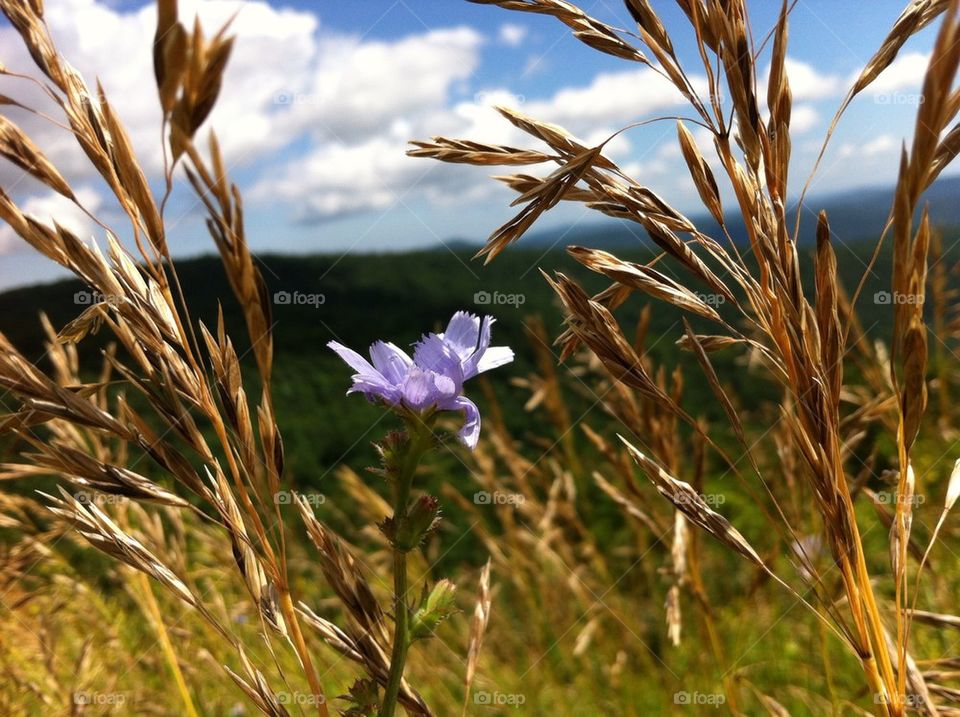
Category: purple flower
<point>469,338</point>
<point>434,377</point>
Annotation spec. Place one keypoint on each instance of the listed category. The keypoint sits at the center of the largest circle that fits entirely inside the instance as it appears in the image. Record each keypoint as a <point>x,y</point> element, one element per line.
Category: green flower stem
<point>420,432</point>
<point>401,636</point>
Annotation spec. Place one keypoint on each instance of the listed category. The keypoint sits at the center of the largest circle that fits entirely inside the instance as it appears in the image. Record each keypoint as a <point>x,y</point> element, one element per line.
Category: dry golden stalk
<point>193,390</point>
<point>588,30</point>
<point>478,626</point>
<point>453,150</point>
<point>800,340</point>
<point>16,147</point>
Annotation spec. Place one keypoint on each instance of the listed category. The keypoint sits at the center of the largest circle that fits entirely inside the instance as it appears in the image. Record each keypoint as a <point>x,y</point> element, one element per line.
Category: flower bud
<point>391,450</point>
<point>438,606</point>
<point>388,526</point>
<point>419,521</point>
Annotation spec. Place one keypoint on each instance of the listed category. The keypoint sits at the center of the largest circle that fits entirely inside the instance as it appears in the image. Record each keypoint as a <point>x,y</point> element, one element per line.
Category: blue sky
<point>321,98</point>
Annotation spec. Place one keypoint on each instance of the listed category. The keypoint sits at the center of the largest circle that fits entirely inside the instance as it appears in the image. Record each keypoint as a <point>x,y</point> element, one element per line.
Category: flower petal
<point>432,353</point>
<point>470,433</point>
<point>367,379</point>
<point>471,362</point>
<point>418,388</point>
<point>354,360</point>
<point>377,386</point>
<point>462,333</point>
<point>391,361</point>
<point>493,357</point>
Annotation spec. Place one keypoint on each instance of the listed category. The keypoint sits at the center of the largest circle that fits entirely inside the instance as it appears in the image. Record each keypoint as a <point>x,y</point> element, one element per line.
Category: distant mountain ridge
<point>855,215</point>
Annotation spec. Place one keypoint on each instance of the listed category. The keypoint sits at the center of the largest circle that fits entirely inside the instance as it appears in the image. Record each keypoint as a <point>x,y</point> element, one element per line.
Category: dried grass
<point>803,342</point>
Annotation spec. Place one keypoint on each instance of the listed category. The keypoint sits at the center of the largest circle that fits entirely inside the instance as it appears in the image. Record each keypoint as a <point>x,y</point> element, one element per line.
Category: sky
<point>321,98</point>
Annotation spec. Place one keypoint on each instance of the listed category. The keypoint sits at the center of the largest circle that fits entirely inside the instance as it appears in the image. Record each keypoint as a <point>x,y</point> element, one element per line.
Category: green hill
<point>358,299</point>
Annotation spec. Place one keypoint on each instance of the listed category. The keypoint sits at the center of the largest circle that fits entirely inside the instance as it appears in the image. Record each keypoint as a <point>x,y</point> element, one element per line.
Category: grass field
<point>705,473</point>
<point>551,600</point>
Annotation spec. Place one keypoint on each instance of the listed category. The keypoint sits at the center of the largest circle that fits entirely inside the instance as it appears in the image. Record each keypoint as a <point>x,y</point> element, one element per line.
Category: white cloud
<point>904,73</point>
<point>882,144</point>
<point>511,34</point>
<point>645,171</point>
<point>478,119</point>
<point>612,97</point>
<point>114,46</point>
<point>617,147</point>
<point>351,102</point>
<point>354,100</point>
<point>105,43</point>
<point>338,179</point>
<point>803,118</point>
<point>806,82</point>
<point>373,172</point>
<point>357,87</point>
<point>348,104</point>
